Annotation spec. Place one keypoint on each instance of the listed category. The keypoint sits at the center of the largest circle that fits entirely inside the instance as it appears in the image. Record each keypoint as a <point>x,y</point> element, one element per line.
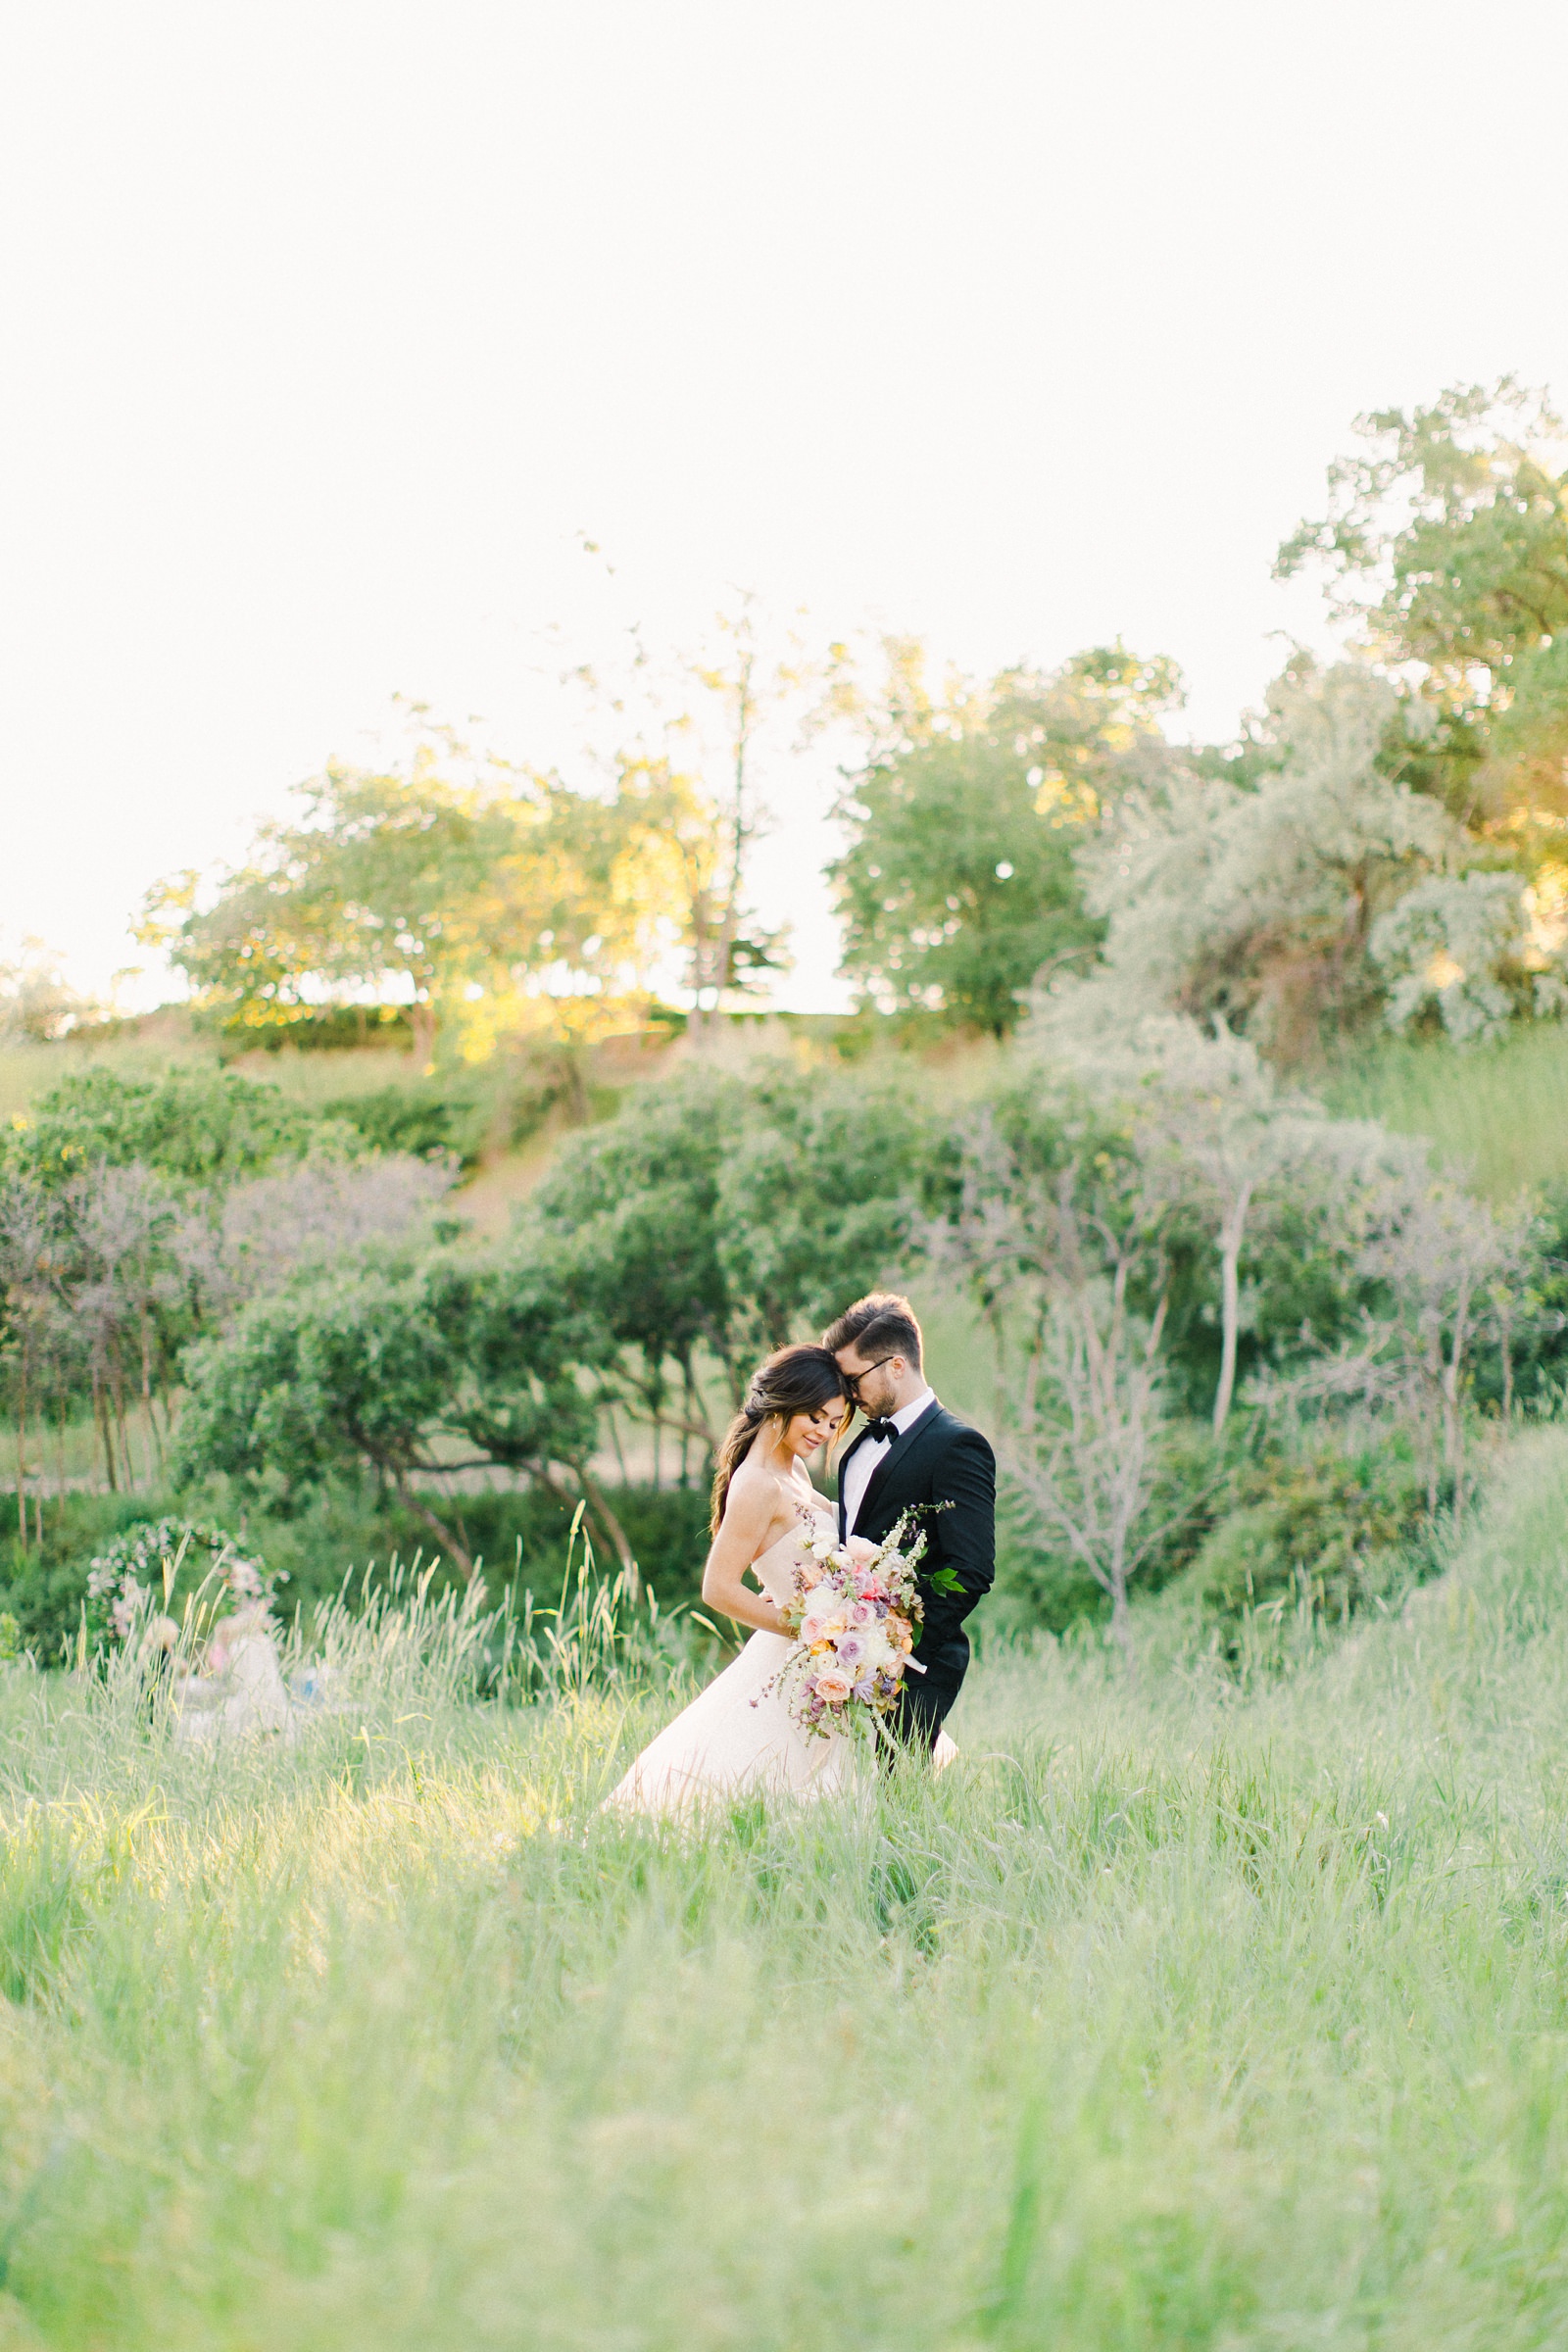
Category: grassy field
<point>1498,1115</point>
<point>1174,2015</point>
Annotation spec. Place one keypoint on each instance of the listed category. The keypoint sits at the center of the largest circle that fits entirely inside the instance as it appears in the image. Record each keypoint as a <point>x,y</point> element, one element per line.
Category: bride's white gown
<point>737,1736</point>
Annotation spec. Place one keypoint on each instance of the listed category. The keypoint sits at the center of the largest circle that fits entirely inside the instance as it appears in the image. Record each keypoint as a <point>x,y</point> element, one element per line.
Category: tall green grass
<point>1497,1113</point>
<point>1173,2015</point>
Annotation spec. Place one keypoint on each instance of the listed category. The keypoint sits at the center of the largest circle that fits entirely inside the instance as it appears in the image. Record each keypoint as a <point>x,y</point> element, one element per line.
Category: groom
<point>914,1450</point>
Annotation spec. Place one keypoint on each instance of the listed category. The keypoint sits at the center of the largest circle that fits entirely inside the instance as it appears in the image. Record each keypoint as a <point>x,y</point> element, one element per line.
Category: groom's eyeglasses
<point>854,1377</point>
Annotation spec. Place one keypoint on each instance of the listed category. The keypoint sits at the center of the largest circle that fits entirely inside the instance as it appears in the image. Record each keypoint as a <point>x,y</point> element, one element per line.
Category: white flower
<point>824,1608</point>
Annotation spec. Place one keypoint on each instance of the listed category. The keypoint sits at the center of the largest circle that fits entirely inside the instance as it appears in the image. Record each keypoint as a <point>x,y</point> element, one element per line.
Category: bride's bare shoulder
<point>760,1504</point>
<point>754,1493</point>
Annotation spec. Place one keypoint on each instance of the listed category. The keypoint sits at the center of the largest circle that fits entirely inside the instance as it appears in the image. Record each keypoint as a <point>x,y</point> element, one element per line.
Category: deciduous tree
<point>493,899</point>
<point>1446,543</point>
<point>1257,903</point>
<point>958,884</point>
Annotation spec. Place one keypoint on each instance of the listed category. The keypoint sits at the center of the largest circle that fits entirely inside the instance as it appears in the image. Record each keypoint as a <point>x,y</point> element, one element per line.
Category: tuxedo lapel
<point>895,1453</point>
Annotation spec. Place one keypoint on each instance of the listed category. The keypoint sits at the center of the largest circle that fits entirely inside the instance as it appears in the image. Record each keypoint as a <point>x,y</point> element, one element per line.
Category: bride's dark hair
<point>795,1380</point>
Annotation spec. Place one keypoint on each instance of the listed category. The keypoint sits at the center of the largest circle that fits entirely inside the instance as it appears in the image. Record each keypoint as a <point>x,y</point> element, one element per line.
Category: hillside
<point>1498,1113</point>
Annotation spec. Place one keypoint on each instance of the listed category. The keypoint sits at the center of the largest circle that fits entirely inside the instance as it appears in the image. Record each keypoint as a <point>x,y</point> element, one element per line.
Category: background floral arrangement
<point>132,1582</point>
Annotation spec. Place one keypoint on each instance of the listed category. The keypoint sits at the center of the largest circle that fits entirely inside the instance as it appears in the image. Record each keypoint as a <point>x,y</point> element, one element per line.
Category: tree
<point>269,1229</point>
<point>1471,947</point>
<point>162,1206</point>
<point>1447,545</point>
<point>1256,904</point>
<point>1445,1271</point>
<point>1061,1231</point>
<point>199,1127</point>
<point>392,1366</point>
<point>728,951</point>
<point>822,1199</point>
<point>629,1216</point>
<point>1207,1112</point>
<point>717,1217</point>
<point>344,1374</point>
<point>958,884</point>
<point>696,733</point>
<point>29,1222</point>
<point>37,1003</point>
<point>496,902</point>
<point>123,1218</point>
<point>526,1399</point>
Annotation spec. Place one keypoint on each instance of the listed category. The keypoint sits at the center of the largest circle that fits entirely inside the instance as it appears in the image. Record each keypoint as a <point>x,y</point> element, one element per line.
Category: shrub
<point>1461,947</point>
<point>454,1113</point>
<point>197,1126</point>
<point>1042,1583</point>
<point>517,1535</point>
<point>1320,1529</point>
<point>43,1586</point>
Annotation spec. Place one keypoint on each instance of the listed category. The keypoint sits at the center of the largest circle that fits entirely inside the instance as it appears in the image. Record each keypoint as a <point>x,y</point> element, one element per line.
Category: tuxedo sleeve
<point>964,1535</point>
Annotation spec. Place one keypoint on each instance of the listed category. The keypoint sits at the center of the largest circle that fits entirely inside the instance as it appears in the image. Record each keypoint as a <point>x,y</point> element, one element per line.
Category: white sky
<point>330,325</point>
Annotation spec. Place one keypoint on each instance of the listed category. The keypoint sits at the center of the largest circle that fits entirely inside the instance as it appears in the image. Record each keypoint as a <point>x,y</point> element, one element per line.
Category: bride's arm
<point>748,1513</point>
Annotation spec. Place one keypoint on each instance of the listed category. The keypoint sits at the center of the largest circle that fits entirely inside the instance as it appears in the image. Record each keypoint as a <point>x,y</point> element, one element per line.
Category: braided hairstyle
<point>794,1379</point>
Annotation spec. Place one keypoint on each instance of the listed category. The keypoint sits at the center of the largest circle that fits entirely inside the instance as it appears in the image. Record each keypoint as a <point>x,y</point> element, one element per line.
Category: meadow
<point>1496,1114</point>
<point>1179,2013</point>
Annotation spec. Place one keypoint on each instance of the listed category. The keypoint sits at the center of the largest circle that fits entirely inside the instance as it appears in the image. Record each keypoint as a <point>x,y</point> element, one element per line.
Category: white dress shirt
<point>859,1472</point>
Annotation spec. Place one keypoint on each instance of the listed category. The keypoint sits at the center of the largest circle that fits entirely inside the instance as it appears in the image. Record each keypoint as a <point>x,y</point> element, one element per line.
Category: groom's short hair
<point>880,1324</point>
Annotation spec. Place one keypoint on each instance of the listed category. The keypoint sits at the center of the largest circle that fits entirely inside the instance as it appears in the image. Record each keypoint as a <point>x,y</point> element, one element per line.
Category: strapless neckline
<point>787,1544</point>
<point>738,1734</point>
<point>792,1534</point>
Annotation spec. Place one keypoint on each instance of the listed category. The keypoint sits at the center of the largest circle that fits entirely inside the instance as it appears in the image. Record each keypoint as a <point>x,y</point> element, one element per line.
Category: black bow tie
<point>881,1429</point>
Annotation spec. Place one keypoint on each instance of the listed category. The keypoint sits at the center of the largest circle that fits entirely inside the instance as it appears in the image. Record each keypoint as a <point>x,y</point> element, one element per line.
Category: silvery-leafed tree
<point>1061,1231</point>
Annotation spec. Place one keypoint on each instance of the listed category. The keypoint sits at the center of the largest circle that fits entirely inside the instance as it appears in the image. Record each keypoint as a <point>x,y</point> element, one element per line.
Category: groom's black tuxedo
<point>938,1459</point>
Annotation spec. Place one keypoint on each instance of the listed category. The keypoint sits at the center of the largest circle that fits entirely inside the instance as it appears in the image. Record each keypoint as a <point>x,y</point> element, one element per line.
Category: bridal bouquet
<point>854,1613</point>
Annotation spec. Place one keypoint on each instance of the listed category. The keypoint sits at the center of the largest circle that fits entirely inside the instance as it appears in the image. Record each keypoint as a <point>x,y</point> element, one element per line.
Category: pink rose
<point>861,1547</point>
<point>833,1687</point>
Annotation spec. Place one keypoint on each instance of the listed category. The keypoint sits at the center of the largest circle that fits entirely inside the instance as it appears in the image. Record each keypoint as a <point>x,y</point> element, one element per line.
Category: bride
<point>737,1734</point>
